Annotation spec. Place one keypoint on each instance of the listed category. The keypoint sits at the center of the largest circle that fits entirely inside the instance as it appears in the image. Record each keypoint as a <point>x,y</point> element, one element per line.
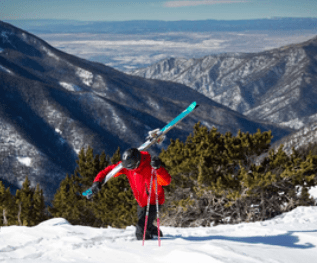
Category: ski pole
<point>157,211</point>
<point>147,208</point>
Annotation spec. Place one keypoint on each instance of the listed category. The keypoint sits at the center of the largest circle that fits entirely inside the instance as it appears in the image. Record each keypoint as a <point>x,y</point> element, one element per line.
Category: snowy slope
<point>291,237</point>
<point>298,139</point>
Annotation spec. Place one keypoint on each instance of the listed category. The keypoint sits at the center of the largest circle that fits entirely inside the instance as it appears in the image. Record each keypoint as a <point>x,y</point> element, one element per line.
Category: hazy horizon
<point>169,10</point>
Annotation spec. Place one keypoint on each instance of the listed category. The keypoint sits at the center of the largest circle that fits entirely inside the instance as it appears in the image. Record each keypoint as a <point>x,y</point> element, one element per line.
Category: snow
<point>5,70</point>
<point>77,150</point>
<point>86,76</point>
<point>5,37</point>
<point>25,160</point>
<point>291,237</point>
<point>294,124</point>
<point>70,87</point>
<point>313,192</point>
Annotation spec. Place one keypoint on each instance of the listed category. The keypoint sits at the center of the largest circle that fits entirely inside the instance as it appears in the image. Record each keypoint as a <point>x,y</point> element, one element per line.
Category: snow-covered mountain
<point>288,238</point>
<point>298,139</point>
<point>278,85</point>
<point>52,104</point>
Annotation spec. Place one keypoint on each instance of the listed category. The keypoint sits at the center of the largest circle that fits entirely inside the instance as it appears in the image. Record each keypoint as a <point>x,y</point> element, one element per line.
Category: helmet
<point>131,158</point>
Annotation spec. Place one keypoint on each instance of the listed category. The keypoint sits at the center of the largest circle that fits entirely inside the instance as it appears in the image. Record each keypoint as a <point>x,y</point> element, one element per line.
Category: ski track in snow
<point>291,237</point>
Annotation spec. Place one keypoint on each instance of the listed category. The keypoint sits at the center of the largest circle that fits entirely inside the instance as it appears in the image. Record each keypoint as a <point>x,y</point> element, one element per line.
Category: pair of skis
<point>156,136</point>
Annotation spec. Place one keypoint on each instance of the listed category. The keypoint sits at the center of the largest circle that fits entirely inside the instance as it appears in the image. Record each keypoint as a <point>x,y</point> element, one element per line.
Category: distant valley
<point>129,45</point>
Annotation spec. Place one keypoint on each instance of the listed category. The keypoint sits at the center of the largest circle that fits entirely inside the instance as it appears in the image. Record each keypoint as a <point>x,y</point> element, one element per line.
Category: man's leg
<point>151,229</point>
<point>141,221</point>
<point>152,216</point>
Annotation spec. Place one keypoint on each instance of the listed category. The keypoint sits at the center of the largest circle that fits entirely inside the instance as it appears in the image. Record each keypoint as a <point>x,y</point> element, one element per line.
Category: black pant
<point>141,221</point>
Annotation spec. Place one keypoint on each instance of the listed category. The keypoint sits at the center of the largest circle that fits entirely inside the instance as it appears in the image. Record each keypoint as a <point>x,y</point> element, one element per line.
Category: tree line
<point>27,207</point>
<point>216,179</point>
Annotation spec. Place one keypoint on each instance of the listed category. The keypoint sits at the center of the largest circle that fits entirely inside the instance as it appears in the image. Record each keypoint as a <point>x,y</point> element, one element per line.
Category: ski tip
<point>192,106</point>
<point>195,105</point>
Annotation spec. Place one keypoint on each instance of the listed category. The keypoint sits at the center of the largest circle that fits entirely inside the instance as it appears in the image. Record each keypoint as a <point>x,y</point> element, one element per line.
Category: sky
<point>168,10</point>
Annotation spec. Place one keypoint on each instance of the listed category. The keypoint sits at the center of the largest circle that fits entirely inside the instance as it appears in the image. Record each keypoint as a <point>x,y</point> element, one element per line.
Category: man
<point>138,168</point>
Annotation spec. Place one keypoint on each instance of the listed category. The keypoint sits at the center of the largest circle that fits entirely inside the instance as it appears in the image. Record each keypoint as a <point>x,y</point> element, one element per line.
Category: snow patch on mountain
<point>238,103</point>
<point>50,53</point>
<point>25,160</point>
<point>5,36</point>
<point>4,69</point>
<point>24,36</point>
<point>307,134</point>
<point>294,124</point>
<point>85,76</point>
<point>117,122</point>
<point>99,83</point>
<point>70,87</point>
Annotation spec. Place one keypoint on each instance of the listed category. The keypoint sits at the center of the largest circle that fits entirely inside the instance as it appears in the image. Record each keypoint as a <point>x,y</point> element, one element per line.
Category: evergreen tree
<point>217,177</point>
<point>23,201</point>
<point>308,148</point>
<point>273,185</point>
<point>103,161</point>
<point>7,208</point>
<point>89,166</point>
<point>3,208</point>
<point>116,156</point>
<point>66,202</point>
<point>39,208</point>
<point>29,205</point>
<point>60,199</point>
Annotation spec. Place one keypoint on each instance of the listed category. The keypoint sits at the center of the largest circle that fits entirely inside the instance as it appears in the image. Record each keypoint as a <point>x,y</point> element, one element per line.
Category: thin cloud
<point>201,2</point>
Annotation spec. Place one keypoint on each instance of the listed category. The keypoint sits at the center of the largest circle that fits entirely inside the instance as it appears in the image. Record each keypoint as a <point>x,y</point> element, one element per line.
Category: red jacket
<point>140,178</point>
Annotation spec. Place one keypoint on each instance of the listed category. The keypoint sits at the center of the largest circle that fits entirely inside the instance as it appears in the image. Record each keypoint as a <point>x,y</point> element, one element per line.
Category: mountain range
<point>53,104</point>
<point>277,86</point>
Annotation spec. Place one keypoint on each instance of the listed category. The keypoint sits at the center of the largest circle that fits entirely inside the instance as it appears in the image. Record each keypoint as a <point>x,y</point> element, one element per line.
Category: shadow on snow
<point>284,240</point>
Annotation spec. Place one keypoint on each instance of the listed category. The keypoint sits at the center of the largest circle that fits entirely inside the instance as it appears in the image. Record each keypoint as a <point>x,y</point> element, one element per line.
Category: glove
<point>95,188</point>
<point>156,162</point>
